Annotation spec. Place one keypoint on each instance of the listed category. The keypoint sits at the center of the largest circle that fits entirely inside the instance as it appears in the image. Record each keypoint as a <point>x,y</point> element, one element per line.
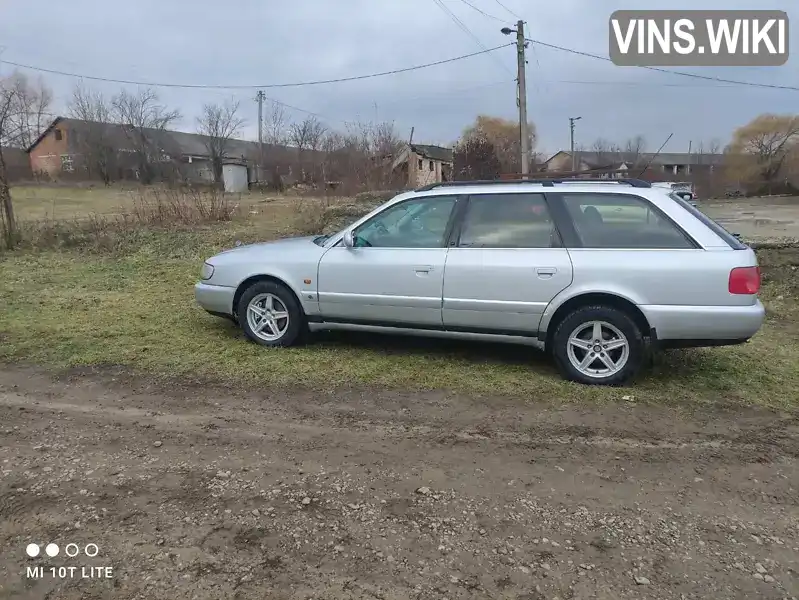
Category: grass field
<point>134,306</point>
<point>34,202</point>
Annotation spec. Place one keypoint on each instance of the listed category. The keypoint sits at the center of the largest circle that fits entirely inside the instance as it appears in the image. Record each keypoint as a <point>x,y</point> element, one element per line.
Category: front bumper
<point>216,299</point>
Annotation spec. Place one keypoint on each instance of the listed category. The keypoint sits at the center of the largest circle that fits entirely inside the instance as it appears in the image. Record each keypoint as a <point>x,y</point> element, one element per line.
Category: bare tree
<point>94,140</point>
<point>24,115</point>
<point>306,135</point>
<point>361,156</point>
<point>275,124</point>
<point>31,114</point>
<point>706,148</point>
<point>219,124</point>
<point>331,146</point>
<point>370,149</point>
<point>606,152</point>
<point>762,152</point>
<point>504,137</point>
<point>144,119</point>
<point>8,103</point>
<point>475,158</point>
<point>633,150</point>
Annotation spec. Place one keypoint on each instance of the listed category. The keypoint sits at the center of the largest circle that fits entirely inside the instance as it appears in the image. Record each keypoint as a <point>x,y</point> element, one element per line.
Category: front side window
<point>507,221</point>
<point>622,221</point>
<point>418,223</point>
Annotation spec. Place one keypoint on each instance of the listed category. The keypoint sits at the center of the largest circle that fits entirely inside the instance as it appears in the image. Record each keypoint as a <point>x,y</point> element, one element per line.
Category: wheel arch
<point>242,287</point>
<point>596,298</point>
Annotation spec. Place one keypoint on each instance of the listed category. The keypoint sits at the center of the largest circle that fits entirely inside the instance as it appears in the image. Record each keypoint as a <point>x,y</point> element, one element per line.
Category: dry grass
<point>149,211</point>
<point>68,202</point>
<point>51,203</point>
<point>330,214</point>
<point>165,207</point>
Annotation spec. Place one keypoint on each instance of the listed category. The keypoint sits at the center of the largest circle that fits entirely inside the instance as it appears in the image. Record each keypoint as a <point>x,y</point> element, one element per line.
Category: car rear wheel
<point>598,345</point>
<point>270,315</point>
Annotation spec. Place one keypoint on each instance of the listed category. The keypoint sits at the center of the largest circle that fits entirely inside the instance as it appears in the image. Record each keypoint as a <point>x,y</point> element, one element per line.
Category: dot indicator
<point>51,550</point>
<point>701,49</point>
<point>32,550</point>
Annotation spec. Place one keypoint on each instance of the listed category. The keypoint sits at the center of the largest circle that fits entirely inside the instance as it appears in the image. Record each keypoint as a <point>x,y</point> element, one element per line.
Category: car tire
<point>621,345</point>
<point>285,325</point>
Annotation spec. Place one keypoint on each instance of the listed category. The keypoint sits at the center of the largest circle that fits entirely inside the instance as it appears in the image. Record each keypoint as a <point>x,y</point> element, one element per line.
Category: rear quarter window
<point>622,221</point>
<point>732,241</point>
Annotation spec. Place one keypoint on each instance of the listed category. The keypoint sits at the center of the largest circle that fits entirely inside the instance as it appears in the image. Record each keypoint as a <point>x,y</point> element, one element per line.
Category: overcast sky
<point>258,42</point>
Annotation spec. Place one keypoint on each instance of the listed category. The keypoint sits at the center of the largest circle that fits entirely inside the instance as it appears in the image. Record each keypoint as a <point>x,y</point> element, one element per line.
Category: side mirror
<point>349,239</point>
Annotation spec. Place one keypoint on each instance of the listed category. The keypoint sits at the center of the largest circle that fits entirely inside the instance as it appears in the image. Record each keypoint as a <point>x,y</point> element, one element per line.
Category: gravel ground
<point>757,219</point>
<point>197,492</point>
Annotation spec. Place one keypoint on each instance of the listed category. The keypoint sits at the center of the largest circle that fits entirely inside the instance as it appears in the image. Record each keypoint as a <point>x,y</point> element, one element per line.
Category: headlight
<point>207,271</point>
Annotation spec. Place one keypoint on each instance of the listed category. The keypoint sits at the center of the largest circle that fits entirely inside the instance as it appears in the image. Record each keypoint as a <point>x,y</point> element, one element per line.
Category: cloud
<point>258,42</point>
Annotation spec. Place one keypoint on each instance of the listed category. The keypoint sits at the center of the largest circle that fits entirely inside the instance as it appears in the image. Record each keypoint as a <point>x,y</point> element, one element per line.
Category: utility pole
<point>523,131</point>
<point>524,134</point>
<point>260,98</point>
<point>571,128</point>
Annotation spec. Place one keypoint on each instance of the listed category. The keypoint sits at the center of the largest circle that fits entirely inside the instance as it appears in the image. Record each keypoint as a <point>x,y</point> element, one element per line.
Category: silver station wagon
<point>597,272</point>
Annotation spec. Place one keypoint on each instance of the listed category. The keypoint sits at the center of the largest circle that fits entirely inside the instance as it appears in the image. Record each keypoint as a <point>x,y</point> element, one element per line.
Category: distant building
<point>422,164</point>
<point>61,151</point>
<point>18,167</point>
<point>671,164</point>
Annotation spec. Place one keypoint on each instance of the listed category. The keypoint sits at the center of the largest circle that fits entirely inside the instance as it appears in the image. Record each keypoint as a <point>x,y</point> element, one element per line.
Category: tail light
<point>745,280</point>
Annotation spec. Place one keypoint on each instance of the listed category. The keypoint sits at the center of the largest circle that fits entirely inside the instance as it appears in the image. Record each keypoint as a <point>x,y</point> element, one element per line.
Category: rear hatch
<point>739,268</point>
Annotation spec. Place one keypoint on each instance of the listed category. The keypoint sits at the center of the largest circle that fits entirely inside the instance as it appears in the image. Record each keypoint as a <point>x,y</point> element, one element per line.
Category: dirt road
<point>192,492</point>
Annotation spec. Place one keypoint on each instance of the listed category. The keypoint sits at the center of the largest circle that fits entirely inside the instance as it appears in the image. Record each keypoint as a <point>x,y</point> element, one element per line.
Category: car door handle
<point>546,271</point>
<point>423,268</point>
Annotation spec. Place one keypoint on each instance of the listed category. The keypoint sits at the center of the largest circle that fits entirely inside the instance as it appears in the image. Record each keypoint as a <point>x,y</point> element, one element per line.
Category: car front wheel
<point>598,345</point>
<point>270,315</point>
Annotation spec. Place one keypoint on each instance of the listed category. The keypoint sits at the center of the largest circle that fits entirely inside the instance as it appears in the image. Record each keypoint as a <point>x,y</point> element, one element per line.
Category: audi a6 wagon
<point>599,273</point>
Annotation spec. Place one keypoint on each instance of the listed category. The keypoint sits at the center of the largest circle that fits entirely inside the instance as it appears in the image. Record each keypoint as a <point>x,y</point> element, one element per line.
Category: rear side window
<point>622,221</point>
<point>507,221</point>
<point>732,241</point>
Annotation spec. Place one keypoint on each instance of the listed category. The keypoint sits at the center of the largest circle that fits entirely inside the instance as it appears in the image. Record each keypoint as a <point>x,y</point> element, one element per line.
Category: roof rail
<point>638,183</point>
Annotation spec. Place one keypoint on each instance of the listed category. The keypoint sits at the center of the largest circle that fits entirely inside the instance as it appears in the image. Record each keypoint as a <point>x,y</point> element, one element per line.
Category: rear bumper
<point>216,299</point>
<point>696,343</point>
<point>682,326</point>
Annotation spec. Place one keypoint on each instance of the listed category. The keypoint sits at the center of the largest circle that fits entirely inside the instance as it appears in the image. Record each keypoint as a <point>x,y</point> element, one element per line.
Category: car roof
<point>630,186</point>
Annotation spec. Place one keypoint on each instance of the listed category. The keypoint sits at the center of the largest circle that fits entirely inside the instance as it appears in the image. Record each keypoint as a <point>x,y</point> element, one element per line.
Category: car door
<point>505,263</point>
<point>394,274</point>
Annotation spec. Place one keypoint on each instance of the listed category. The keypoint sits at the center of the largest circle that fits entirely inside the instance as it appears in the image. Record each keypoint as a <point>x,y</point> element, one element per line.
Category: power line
<point>468,32</point>
<point>298,109</point>
<point>482,12</point>
<point>264,86</point>
<point>459,23</point>
<point>508,10</point>
<point>640,83</point>
<point>658,69</point>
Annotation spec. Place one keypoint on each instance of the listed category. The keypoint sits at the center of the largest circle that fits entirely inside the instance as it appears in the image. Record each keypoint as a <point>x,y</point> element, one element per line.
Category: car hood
<point>285,248</point>
<point>284,244</point>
